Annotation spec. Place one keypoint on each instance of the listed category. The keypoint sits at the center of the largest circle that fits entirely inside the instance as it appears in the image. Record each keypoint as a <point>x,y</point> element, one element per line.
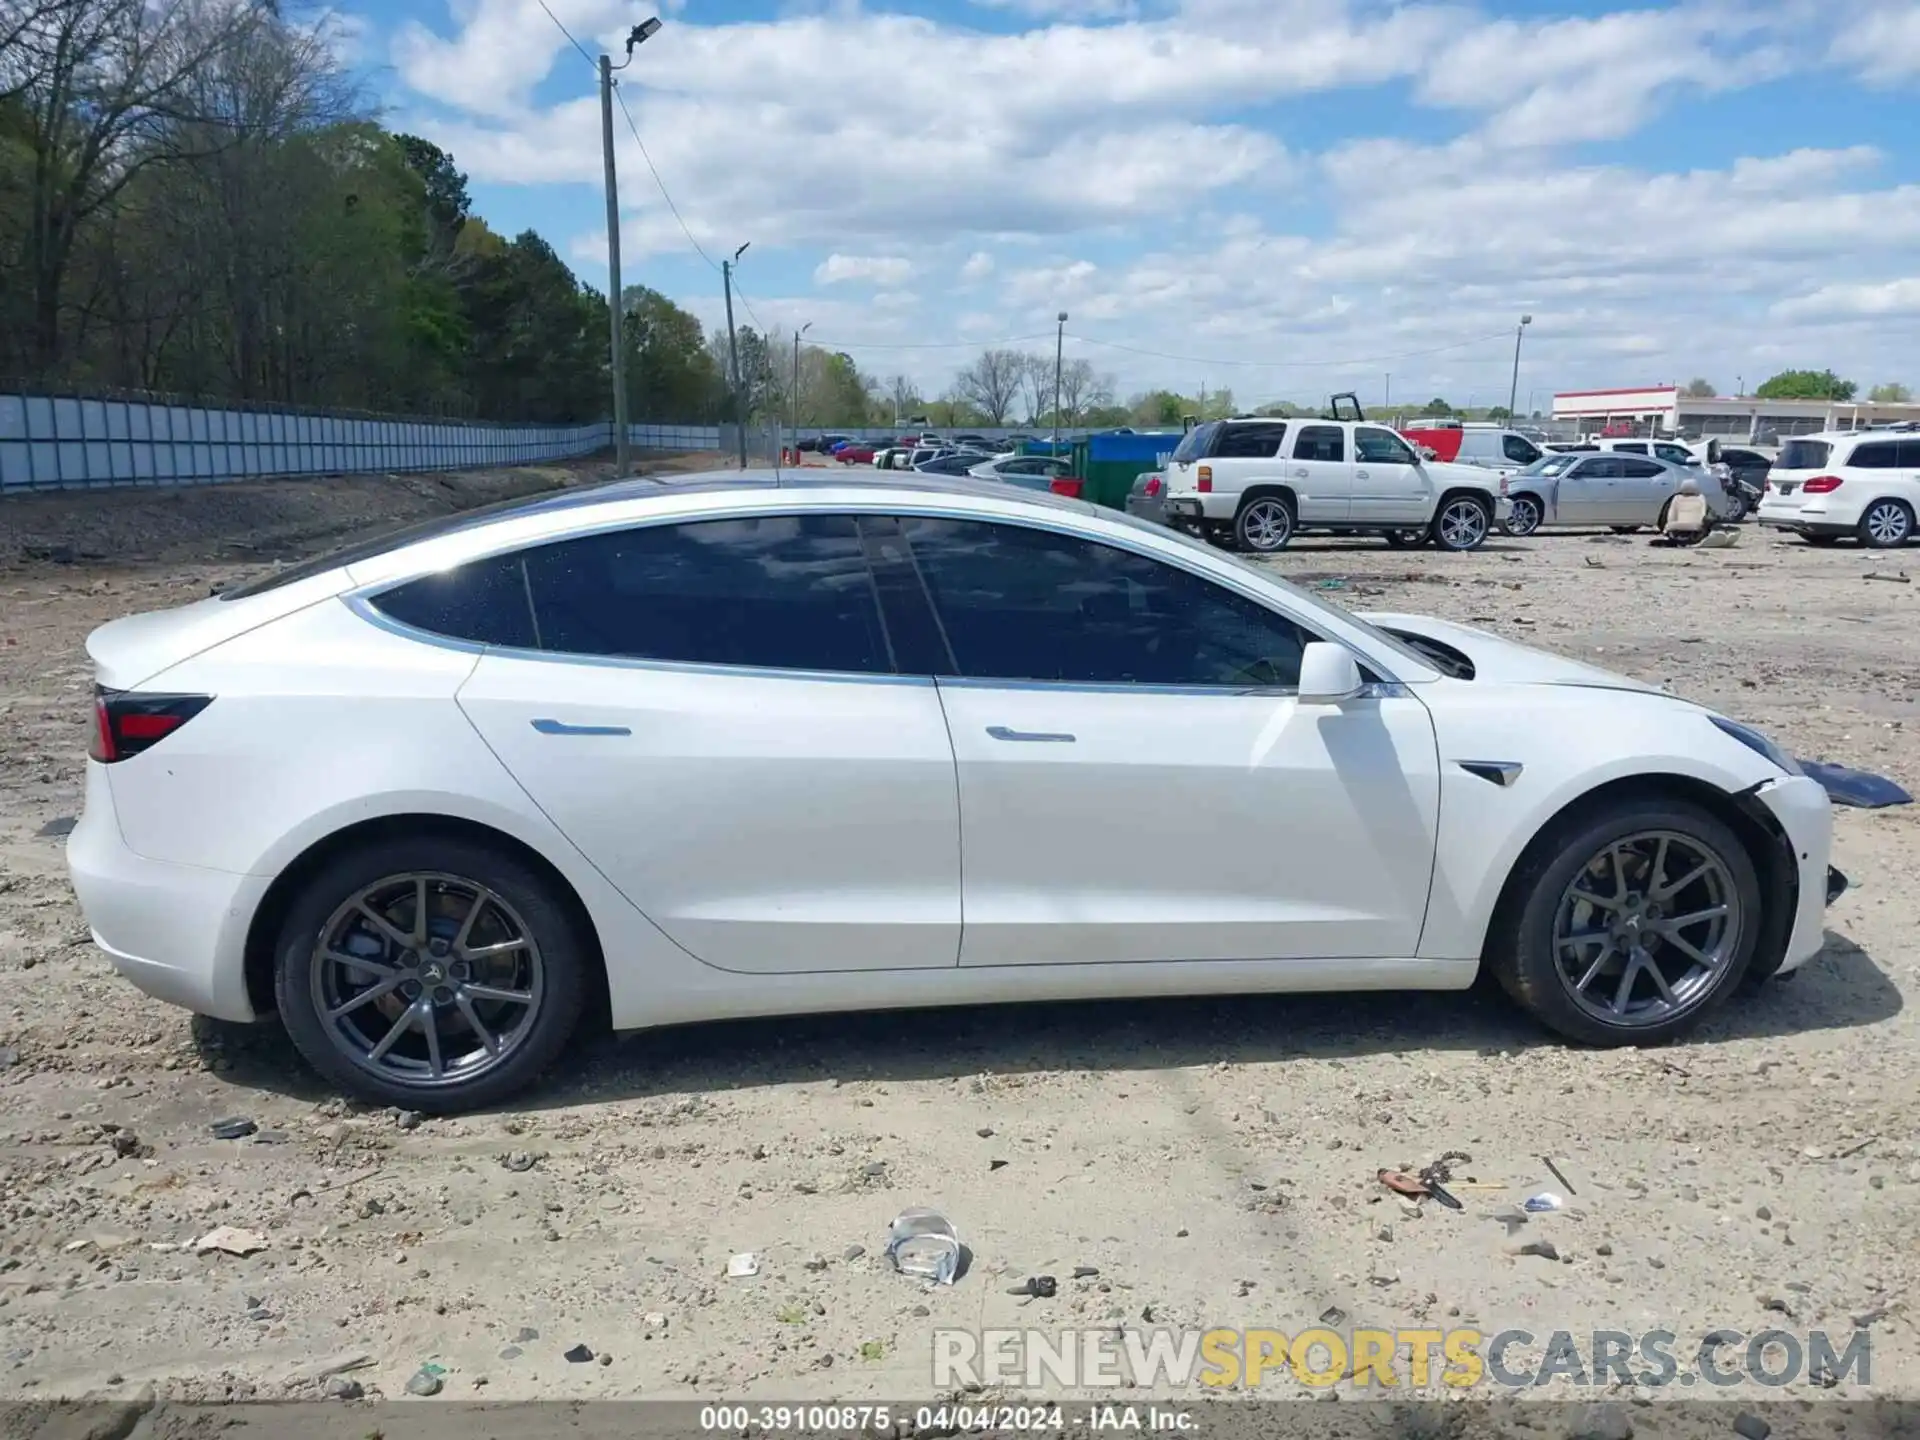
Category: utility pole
<point>1386,395</point>
<point>733,352</point>
<point>614,305</point>
<point>1513,392</point>
<point>1059,345</point>
<point>616,342</point>
<point>793,400</point>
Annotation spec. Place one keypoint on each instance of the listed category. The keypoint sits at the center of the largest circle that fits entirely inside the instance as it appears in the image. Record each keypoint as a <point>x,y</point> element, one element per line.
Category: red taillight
<point>1068,485</point>
<point>1205,485</point>
<point>125,722</point>
<point>1153,487</point>
<point>1822,485</point>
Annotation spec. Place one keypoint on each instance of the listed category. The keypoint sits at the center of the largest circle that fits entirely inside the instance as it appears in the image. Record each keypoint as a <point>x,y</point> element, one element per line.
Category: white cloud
<point>884,270</point>
<point>978,267</point>
<point>1841,302</point>
<point>1884,45</point>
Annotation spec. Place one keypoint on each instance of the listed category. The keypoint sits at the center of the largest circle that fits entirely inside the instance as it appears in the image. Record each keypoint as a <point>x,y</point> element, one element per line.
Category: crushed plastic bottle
<point>923,1243</point>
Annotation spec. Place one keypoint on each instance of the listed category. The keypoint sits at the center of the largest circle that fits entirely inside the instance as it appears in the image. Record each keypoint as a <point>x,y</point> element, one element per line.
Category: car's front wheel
<point>1264,524</point>
<point>1525,516</point>
<point>431,972</point>
<point>1463,523</point>
<point>1886,524</point>
<point>1626,923</point>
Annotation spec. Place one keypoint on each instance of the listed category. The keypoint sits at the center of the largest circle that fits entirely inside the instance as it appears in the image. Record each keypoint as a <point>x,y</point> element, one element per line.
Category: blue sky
<point>1284,197</point>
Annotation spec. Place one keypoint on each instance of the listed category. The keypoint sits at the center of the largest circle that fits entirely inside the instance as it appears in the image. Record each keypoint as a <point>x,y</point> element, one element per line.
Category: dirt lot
<point>1212,1160</point>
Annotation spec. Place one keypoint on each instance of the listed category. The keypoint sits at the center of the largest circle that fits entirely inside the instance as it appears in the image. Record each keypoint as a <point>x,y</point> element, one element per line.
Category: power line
<point>1290,364</point>
<point>661,183</point>
<point>933,344</point>
<point>570,40</point>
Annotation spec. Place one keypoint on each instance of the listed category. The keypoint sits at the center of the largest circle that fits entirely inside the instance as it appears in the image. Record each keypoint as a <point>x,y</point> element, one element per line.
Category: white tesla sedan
<point>741,745</point>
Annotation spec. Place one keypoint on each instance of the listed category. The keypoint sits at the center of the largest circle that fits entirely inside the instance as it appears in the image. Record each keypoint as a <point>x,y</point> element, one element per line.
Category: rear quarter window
<point>1878,455</point>
<point>483,602</point>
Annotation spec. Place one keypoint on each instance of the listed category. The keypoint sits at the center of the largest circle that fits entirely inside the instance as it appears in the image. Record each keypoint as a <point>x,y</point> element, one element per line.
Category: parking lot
<point>1212,1162</point>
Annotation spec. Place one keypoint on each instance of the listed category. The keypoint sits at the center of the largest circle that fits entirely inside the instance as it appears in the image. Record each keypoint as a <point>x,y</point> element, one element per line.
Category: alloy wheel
<point>1525,518</point>
<point>1886,522</point>
<point>1645,929</point>
<point>427,979</point>
<point>1266,524</point>
<point>1463,524</point>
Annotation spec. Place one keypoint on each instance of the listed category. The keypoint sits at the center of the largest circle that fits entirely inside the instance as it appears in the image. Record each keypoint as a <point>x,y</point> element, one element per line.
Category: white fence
<point>56,442</point>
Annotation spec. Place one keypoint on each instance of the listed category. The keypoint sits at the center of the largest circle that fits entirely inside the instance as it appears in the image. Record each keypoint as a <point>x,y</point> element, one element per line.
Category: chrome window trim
<point>360,600</point>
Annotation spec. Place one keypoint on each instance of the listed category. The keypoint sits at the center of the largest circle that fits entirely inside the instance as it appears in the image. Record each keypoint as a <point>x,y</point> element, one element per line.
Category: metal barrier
<point>65,442</point>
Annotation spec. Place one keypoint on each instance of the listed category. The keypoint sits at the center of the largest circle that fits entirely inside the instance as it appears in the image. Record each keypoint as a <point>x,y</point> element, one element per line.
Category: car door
<point>1389,486</point>
<point>1136,780</point>
<point>713,716</point>
<point>1320,472</point>
<point>1585,496</point>
<point>1642,490</point>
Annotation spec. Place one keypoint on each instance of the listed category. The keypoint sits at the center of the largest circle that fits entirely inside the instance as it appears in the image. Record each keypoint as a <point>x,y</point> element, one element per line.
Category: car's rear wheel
<point>1525,516</point>
<point>1628,922</point>
<point>1264,524</point>
<point>1738,505</point>
<point>1462,523</point>
<point>432,972</point>
<point>1886,524</point>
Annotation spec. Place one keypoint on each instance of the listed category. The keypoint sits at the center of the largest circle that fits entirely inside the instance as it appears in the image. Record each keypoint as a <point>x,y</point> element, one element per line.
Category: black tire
<point>1886,524</point>
<point>1525,517</point>
<point>1738,505</point>
<point>1264,524</point>
<point>1405,539</point>
<point>560,952</point>
<point>1452,531</point>
<point>1632,529</point>
<point>1521,950</point>
<point>1822,540</point>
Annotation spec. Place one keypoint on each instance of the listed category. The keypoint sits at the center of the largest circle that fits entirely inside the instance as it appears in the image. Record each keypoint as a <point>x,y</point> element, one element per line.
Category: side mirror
<point>1328,674</point>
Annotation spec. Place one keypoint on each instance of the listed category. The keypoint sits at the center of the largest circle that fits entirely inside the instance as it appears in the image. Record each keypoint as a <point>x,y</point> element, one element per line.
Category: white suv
<point>1864,483</point>
<point>1257,482</point>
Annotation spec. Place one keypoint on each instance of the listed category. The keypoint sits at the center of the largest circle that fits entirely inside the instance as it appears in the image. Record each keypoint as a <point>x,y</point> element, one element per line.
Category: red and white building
<point>1665,409</point>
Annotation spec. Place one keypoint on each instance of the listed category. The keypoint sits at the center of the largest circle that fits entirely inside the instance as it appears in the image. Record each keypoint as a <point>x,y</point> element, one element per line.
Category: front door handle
<point>1361,475</point>
<point>560,727</point>
<point>1043,737</point>
<point>1299,474</point>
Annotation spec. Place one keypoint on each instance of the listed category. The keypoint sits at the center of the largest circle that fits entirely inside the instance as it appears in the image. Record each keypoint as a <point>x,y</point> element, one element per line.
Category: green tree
<point>1806,385</point>
<point>1890,393</point>
<point>1157,408</point>
<point>1436,407</point>
<point>671,375</point>
<point>1699,389</point>
<point>1499,412</point>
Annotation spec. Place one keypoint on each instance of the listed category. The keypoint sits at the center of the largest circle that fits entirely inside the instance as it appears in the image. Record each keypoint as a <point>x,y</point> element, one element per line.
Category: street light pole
<point>1059,345</point>
<point>1513,392</point>
<point>616,341</point>
<point>733,353</point>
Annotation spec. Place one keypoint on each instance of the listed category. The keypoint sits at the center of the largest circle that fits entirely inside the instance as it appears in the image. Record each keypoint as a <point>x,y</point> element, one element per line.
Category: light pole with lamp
<point>733,352</point>
<point>1059,344</point>
<point>615,301</point>
<point>1513,392</point>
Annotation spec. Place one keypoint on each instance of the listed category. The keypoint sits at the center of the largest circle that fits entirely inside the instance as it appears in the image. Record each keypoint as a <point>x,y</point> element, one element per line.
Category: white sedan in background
<point>750,745</point>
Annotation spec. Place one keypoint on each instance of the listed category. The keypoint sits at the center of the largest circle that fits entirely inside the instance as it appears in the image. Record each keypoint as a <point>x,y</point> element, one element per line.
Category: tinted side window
<point>1910,455</point>
<point>1674,453</point>
<point>1382,447</point>
<point>1250,442</point>
<point>1637,469</point>
<point>787,592</point>
<point>1885,455</point>
<point>1320,442</point>
<point>1601,467</point>
<point>1024,604</point>
<point>1634,449</point>
<point>1519,449</point>
<point>483,601</point>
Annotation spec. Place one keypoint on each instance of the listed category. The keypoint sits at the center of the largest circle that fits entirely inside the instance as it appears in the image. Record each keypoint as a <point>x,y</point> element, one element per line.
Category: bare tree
<point>102,86</point>
<point>992,383</point>
<point>1082,389</point>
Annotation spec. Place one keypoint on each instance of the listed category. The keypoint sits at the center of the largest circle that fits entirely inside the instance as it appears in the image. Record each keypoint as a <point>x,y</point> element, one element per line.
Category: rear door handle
<point>560,727</point>
<point>1361,475</point>
<point>1043,737</point>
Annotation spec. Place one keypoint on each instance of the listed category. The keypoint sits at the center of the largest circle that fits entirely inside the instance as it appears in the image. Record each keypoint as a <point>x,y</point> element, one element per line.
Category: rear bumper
<point>1804,813</point>
<point>178,932</point>
<point>1192,508</point>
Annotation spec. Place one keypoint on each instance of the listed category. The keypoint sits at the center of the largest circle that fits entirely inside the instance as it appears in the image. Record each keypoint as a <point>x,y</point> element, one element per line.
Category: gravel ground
<point>1212,1160</point>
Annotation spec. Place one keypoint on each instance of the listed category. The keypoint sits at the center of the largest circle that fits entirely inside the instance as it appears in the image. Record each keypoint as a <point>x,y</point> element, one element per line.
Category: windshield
<point>1196,442</point>
<point>1804,455</point>
<point>1384,638</point>
<point>1551,465</point>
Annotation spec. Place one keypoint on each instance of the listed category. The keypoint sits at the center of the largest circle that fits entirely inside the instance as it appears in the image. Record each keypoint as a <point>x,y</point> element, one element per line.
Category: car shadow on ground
<point>1841,988</point>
